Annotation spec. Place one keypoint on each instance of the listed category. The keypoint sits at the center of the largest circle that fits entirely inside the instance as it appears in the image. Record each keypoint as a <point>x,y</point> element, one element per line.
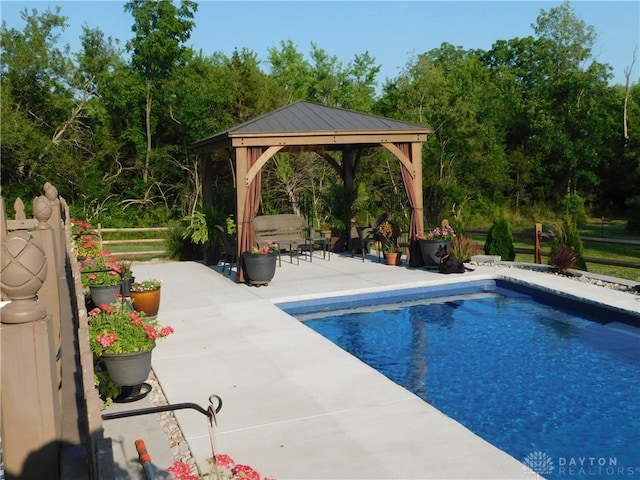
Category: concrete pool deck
<point>295,406</point>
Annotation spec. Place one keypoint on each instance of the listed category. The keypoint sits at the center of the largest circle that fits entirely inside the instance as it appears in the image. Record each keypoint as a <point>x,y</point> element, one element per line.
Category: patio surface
<point>295,406</point>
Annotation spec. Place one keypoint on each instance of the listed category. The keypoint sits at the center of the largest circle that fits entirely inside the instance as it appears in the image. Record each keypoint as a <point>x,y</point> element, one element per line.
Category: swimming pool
<point>553,382</point>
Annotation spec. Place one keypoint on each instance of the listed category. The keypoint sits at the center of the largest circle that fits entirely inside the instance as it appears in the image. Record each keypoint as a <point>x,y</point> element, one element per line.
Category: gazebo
<point>307,126</point>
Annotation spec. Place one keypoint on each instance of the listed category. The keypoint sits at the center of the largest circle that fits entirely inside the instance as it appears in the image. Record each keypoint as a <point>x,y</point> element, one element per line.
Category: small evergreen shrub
<point>500,241</point>
<point>572,206</point>
<point>566,236</point>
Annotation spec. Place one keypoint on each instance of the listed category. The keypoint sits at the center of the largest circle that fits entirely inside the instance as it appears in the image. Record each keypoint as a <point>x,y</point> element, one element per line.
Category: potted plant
<point>122,339</point>
<point>102,275</point>
<point>388,232</point>
<point>145,296</point>
<point>435,239</point>
<point>127,276</point>
<point>85,240</point>
<point>260,264</point>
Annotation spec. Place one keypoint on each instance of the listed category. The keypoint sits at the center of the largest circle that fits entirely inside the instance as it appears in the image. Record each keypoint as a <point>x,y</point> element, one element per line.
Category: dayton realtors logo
<point>539,463</point>
<point>597,467</point>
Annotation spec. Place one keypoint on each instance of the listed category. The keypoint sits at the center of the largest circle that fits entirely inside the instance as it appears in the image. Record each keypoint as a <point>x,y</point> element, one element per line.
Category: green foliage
<point>106,386</point>
<point>463,247</point>
<point>176,243</point>
<point>516,126</point>
<point>567,236</point>
<point>500,240</point>
<point>196,230</point>
<point>573,207</point>
<point>574,241</point>
<point>633,218</point>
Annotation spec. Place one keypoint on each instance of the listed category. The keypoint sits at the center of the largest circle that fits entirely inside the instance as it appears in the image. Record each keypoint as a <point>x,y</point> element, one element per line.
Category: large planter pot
<point>147,302</point>
<point>105,293</point>
<point>128,369</point>
<point>259,269</point>
<point>429,249</point>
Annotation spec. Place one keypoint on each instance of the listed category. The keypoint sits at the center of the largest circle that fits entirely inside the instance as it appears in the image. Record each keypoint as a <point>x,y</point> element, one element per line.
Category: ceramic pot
<point>147,302</point>
<point>128,369</point>
<point>105,293</point>
<point>391,258</point>
<point>259,269</point>
<point>429,249</point>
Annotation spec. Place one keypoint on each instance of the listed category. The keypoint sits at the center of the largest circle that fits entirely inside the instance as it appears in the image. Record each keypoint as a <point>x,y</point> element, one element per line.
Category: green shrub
<point>572,206</point>
<point>633,215</point>
<point>176,244</point>
<point>500,241</point>
<point>566,236</point>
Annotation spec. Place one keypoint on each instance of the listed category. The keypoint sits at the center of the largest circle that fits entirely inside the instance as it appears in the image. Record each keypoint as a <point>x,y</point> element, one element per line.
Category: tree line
<point>521,127</point>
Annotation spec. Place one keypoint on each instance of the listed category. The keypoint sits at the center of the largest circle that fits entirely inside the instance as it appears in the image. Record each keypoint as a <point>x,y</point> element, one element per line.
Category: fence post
<point>49,293</point>
<point>55,220</point>
<point>537,250</point>
<point>29,397</point>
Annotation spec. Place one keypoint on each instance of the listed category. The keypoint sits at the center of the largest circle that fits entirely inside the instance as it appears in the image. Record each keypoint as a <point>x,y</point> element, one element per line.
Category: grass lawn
<point>609,229</point>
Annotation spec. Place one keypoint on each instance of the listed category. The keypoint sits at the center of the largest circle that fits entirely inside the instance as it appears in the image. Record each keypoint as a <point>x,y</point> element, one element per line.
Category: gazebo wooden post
<point>416,160</point>
<point>242,168</point>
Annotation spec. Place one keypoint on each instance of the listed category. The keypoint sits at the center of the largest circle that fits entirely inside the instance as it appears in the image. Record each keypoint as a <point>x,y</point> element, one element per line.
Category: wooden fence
<point>538,238</point>
<point>160,240</point>
<point>50,408</point>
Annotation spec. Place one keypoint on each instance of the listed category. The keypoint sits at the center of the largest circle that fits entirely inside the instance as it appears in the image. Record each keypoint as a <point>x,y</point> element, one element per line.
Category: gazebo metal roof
<point>308,123</point>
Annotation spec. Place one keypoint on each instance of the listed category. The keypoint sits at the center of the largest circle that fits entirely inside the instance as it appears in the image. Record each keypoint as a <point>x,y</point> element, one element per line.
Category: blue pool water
<point>533,379</point>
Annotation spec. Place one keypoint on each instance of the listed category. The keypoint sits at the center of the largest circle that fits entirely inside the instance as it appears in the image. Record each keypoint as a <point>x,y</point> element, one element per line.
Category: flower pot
<point>105,293</point>
<point>128,369</point>
<point>391,258</point>
<point>147,302</point>
<point>126,285</point>
<point>259,269</point>
<point>429,249</point>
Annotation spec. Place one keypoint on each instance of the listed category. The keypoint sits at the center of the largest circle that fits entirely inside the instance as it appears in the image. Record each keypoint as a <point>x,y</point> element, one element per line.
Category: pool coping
<point>286,412</point>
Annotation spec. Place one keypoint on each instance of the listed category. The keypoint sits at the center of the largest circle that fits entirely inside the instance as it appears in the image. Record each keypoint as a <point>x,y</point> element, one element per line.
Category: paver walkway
<point>295,405</point>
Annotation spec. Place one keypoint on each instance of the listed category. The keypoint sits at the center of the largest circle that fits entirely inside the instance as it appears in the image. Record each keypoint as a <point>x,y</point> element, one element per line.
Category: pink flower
<point>182,471</point>
<point>150,331</point>
<point>166,331</point>
<point>106,339</point>
<point>245,471</point>
<point>225,461</point>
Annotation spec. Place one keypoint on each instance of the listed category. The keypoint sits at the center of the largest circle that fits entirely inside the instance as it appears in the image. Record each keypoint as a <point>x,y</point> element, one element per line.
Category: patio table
<point>325,245</point>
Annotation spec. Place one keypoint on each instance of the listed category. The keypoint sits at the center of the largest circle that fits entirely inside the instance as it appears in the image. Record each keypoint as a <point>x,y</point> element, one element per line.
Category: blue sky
<point>391,32</point>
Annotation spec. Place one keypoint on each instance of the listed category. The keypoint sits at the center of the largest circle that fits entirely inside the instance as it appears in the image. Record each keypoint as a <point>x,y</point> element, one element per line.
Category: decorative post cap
<point>23,271</point>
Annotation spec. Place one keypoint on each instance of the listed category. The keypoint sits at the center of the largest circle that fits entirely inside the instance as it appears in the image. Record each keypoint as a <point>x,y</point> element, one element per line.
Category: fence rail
<point>546,236</point>
<point>135,241</point>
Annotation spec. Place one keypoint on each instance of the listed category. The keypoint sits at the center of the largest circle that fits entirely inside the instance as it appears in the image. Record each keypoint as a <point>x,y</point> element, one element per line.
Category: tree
<point>161,28</point>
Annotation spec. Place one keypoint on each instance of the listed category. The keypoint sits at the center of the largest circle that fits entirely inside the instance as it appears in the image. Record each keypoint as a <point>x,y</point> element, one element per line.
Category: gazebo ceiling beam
<point>326,139</point>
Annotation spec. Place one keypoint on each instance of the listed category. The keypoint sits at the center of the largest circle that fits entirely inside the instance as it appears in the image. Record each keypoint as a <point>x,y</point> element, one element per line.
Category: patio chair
<point>229,247</point>
<point>361,238</point>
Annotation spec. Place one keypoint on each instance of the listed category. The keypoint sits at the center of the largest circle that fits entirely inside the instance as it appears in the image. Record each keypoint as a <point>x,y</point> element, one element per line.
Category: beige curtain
<point>413,257</point>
